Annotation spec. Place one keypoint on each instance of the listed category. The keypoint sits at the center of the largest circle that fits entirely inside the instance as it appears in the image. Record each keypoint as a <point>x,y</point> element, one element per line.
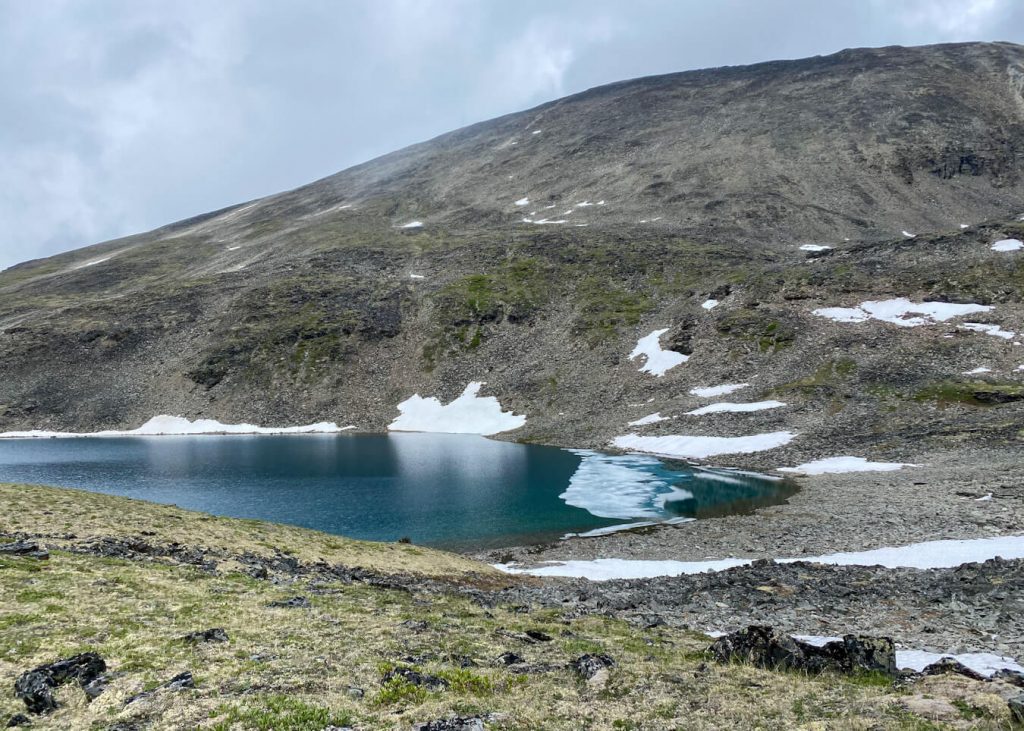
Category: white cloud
<point>953,18</point>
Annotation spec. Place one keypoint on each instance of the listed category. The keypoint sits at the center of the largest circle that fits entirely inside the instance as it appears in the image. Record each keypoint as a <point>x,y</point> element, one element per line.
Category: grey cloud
<point>122,115</point>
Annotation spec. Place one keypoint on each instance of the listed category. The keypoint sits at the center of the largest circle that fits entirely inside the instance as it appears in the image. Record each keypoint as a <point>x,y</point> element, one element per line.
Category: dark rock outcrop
<point>36,686</point>
<point>24,548</point>
<point>766,647</point>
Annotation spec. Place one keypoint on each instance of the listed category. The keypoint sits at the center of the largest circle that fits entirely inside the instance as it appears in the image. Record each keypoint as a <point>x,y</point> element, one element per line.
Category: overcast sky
<point>120,116</point>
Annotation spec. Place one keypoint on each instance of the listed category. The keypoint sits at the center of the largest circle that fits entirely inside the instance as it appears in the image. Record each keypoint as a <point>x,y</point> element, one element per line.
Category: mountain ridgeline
<point>532,251</point>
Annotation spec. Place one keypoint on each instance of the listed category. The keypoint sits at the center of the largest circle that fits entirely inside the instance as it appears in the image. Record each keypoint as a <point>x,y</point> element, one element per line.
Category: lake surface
<point>453,491</point>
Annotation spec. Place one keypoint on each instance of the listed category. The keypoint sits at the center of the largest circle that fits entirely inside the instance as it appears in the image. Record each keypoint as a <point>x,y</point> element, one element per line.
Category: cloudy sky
<point>122,115</point>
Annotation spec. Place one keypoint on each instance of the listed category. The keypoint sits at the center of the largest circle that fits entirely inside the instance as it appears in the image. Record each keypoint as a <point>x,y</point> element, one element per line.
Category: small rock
<point>1016,705</point>
<point>216,634</point>
<point>414,677</point>
<point>18,719</point>
<point>510,658</point>
<point>416,625</point>
<point>588,666</point>
<point>295,601</point>
<point>538,636</point>
<point>181,681</point>
<point>354,692</point>
<point>474,723</point>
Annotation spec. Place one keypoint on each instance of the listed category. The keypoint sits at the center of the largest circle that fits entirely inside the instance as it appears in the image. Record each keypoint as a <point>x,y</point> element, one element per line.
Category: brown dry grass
<point>293,668</point>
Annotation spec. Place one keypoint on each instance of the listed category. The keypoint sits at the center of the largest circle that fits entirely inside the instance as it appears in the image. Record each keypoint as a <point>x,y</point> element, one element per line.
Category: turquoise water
<point>452,491</point>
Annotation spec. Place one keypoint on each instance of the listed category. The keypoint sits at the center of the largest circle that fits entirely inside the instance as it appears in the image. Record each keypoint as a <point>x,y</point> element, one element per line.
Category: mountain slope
<point>316,304</point>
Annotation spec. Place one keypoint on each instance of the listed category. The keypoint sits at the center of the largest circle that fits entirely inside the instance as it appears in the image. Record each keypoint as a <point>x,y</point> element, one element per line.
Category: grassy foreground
<point>309,667</point>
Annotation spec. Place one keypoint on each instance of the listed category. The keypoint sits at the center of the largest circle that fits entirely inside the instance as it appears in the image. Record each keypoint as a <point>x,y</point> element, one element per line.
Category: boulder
<point>588,666</point>
<point>766,647</point>
<point>18,719</point>
<point>949,665</point>
<point>36,686</point>
<point>24,548</point>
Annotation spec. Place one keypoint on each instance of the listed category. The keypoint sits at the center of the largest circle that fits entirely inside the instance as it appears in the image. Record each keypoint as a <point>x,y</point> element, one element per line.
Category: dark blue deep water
<point>452,491</point>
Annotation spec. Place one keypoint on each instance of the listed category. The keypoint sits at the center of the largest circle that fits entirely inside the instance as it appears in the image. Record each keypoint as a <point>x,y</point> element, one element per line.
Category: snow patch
<point>710,304</point>
<point>412,224</point>
<point>649,419</point>
<point>699,447</point>
<point>416,276</point>
<point>234,248</point>
<point>727,406</point>
<point>468,414</point>
<point>164,425</point>
<point>837,465</point>
<point>965,225</point>
<point>1008,245</point>
<point>523,202</point>
<point>976,371</point>
<point>899,311</point>
<point>657,361</point>
<point>983,663</point>
<point>725,388</point>
<point>928,555</point>
<point>908,234</point>
<point>988,330</point>
<point>814,247</point>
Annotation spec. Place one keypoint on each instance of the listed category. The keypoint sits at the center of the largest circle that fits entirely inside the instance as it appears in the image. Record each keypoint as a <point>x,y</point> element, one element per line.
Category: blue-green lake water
<point>452,491</point>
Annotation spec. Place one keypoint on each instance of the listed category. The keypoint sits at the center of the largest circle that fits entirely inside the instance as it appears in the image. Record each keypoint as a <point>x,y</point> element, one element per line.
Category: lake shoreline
<point>945,496</point>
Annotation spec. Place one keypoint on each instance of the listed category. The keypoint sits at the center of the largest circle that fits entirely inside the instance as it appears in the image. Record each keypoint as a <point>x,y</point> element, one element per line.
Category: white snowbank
<point>908,234</point>
<point>523,202</point>
<point>978,370</point>
<point>649,419</point>
<point>898,311</point>
<point>657,361</point>
<point>929,555</point>
<point>814,247</point>
<point>606,569</point>
<point>697,447</point>
<point>965,225</point>
<point>234,248</point>
<point>620,486</point>
<point>536,132</point>
<point>1008,245</point>
<point>727,406</point>
<point>983,663</point>
<point>710,304</point>
<point>412,224</point>
<point>416,276</point>
<point>836,465</point>
<point>179,426</point>
<point>988,330</point>
<point>543,221</point>
<point>468,414</point>
<point>724,389</point>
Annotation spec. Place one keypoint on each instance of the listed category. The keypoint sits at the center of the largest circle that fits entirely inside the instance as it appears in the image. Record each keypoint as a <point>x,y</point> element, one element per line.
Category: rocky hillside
<point>534,250</point>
